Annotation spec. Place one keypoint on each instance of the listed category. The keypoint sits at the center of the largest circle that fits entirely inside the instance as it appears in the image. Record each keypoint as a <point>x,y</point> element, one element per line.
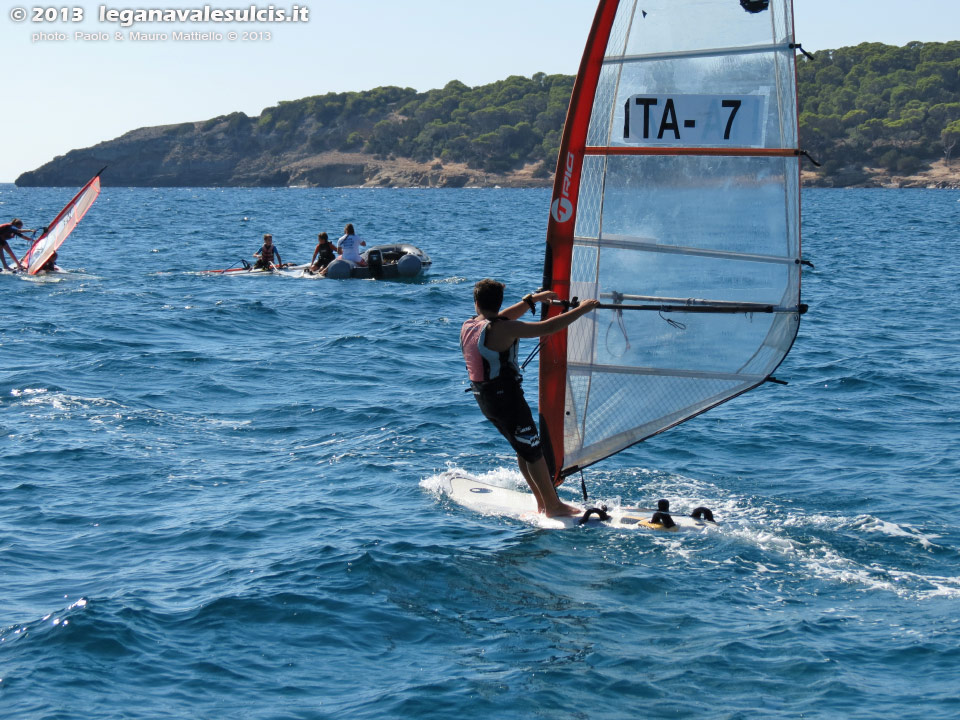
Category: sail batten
<point>704,306</point>
<point>677,193</point>
<point>651,245</point>
<point>580,369</point>
<point>702,151</point>
<point>713,52</point>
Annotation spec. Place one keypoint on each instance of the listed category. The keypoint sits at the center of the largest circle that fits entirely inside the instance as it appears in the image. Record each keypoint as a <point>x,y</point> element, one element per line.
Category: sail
<point>62,226</point>
<point>676,204</point>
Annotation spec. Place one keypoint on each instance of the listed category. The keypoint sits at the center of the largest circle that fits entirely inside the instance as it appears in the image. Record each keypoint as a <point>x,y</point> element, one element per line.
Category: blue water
<point>217,496</point>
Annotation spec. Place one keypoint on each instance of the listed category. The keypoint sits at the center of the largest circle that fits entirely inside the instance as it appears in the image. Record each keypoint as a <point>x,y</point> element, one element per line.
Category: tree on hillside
<point>880,105</point>
<point>949,137</point>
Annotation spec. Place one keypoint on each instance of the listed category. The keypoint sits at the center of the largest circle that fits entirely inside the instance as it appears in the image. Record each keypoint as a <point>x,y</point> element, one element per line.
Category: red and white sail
<point>676,204</point>
<point>62,226</point>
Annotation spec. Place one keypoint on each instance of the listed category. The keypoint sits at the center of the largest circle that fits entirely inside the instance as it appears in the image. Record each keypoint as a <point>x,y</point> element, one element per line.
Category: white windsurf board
<point>489,499</point>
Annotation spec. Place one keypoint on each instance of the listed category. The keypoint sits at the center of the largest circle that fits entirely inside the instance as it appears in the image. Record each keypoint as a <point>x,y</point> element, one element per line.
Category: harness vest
<point>8,231</point>
<point>267,254</point>
<point>325,254</point>
<point>484,364</point>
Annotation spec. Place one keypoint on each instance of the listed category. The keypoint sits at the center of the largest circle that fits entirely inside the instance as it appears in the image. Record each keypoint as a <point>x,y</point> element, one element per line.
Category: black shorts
<point>503,404</point>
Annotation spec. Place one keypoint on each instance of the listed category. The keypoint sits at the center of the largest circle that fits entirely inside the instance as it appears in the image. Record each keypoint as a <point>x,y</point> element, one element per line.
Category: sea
<point>219,495</point>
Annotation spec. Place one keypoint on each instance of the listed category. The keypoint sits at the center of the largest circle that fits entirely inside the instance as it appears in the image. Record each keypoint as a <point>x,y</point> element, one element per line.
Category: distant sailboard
<point>676,203</point>
<point>248,270</point>
<point>58,230</point>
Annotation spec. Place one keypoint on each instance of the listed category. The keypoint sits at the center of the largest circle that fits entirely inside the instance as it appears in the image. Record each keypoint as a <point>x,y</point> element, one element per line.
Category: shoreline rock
<point>940,175</point>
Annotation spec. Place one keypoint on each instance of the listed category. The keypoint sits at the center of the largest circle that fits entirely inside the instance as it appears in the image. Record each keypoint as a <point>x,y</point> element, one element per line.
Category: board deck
<point>488,499</point>
<point>24,275</point>
<point>237,272</point>
<point>297,271</point>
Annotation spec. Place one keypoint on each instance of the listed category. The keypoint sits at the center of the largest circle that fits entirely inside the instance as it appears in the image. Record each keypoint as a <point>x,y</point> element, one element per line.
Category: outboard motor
<point>375,263</point>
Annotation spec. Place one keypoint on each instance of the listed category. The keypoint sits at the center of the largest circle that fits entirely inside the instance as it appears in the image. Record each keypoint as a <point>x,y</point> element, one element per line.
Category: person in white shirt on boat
<point>489,343</point>
<point>348,246</point>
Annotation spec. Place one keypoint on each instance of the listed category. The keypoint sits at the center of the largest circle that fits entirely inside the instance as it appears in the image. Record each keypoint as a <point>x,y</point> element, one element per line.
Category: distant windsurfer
<point>266,254</point>
<point>50,265</point>
<point>489,343</point>
<point>8,231</point>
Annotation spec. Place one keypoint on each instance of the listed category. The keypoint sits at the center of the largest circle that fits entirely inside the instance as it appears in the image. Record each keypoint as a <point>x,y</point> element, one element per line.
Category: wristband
<point>528,299</point>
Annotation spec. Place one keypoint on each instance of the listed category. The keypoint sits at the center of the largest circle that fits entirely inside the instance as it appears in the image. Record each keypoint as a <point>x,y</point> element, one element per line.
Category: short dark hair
<point>488,294</point>
<point>18,222</point>
<point>348,230</point>
<point>322,236</point>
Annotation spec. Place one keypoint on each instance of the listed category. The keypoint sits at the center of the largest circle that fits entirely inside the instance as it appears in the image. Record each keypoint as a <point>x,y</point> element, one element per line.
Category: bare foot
<point>563,510</point>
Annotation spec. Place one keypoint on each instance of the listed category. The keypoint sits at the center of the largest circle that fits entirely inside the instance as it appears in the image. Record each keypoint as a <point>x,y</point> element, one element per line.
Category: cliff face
<point>192,154</point>
<point>156,156</point>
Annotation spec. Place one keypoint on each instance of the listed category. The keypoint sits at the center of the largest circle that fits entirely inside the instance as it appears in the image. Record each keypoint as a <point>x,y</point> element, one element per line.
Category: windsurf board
<point>488,499</point>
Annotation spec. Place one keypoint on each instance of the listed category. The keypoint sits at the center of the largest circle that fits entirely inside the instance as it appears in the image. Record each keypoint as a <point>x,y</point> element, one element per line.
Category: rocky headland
<point>179,156</point>
<point>190,156</point>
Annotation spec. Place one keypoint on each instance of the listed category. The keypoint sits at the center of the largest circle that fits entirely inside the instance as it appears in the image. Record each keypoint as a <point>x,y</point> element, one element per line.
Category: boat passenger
<point>348,246</point>
<point>323,254</point>
<point>489,344</point>
<point>9,230</point>
<point>265,255</point>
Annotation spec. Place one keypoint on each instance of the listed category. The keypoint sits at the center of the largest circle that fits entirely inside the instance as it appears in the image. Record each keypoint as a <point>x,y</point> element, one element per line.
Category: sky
<point>64,92</point>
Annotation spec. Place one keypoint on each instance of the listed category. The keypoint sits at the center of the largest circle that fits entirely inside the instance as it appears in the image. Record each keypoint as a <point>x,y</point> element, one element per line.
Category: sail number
<point>723,120</point>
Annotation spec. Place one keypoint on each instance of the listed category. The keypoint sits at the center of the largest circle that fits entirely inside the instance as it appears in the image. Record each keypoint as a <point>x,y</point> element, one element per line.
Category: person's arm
<point>316,251</point>
<point>277,254</point>
<point>500,336</point>
<point>518,310</point>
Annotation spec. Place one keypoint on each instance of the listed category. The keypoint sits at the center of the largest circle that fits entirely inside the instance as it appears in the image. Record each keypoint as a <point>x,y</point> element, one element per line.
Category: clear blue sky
<point>62,95</point>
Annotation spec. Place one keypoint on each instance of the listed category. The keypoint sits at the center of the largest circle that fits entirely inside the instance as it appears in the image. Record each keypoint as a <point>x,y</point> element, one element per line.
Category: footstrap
<point>600,512</point>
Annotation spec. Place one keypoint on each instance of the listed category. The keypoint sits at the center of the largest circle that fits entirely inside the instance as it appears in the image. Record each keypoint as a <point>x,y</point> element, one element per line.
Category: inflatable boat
<point>382,261</point>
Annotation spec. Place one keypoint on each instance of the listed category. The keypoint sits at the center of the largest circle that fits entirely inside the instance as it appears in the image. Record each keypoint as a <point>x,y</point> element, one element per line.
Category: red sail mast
<point>560,230</point>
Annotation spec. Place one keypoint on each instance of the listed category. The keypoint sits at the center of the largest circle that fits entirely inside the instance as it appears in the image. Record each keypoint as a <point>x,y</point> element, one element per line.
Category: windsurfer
<point>9,230</point>
<point>489,343</point>
<point>50,265</point>
<point>323,254</point>
<point>265,255</point>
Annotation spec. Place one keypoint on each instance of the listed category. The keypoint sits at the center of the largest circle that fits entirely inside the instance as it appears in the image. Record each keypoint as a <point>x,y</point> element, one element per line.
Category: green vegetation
<point>873,105</point>
<point>880,106</point>
<point>862,109</point>
<point>497,127</point>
